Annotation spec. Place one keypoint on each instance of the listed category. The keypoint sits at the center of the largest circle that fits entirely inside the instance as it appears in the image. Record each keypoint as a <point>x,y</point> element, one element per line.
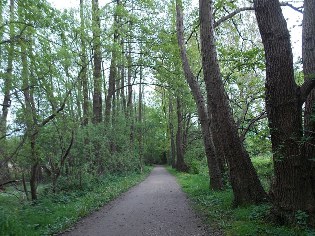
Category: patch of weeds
<point>260,212</point>
<point>301,218</point>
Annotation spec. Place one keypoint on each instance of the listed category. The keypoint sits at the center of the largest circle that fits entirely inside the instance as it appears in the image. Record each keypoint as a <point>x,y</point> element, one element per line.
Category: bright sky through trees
<point>294,20</point>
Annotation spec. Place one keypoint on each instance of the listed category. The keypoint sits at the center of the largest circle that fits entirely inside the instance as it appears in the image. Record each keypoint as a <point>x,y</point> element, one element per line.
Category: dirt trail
<point>157,206</point>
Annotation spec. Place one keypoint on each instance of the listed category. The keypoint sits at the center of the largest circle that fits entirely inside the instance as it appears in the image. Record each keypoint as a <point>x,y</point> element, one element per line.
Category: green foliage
<point>195,157</point>
<point>301,218</point>
<point>56,212</point>
<point>217,211</point>
<point>264,168</point>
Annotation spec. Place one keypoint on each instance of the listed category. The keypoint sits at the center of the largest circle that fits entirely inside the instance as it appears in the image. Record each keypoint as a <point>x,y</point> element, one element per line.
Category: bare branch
<point>230,15</point>
<point>261,116</point>
<point>298,9</point>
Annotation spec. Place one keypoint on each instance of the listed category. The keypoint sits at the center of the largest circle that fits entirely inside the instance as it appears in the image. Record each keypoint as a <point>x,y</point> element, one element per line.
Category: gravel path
<point>157,206</point>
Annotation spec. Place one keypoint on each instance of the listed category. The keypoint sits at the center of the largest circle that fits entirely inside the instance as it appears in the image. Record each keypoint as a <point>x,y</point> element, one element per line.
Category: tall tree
<point>113,66</point>
<point>180,162</point>
<point>216,182</point>
<point>172,135</point>
<point>243,177</point>
<point>84,65</point>
<point>308,55</point>
<point>97,59</point>
<point>292,188</point>
<point>7,89</point>
<point>140,119</point>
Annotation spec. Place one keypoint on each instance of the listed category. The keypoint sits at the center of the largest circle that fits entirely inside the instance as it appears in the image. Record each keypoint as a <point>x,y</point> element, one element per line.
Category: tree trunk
<point>291,189</point>
<point>216,182</point>
<point>35,165</point>
<point>84,62</point>
<point>308,55</point>
<point>5,173</point>
<point>25,187</point>
<point>244,180</point>
<point>140,118</point>
<point>97,59</point>
<point>180,162</point>
<point>113,68</point>
<point>122,77</point>
<point>130,93</point>
<point>172,136</point>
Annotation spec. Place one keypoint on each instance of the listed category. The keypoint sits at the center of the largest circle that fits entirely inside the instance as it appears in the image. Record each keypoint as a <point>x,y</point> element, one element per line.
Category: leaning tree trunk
<point>291,189</point>
<point>308,55</point>
<point>216,182</point>
<point>244,180</point>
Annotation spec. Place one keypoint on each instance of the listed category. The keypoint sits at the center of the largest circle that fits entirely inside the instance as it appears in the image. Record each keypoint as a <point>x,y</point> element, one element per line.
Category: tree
<point>292,187</point>
<point>216,182</point>
<point>308,55</point>
<point>84,64</point>
<point>243,177</point>
<point>97,59</point>
<point>180,163</point>
<point>7,90</point>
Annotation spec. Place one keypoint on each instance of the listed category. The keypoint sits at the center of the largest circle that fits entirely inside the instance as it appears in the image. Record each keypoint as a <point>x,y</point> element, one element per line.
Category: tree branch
<point>251,123</point>
<point>230,15</point>
<point>306,88</point>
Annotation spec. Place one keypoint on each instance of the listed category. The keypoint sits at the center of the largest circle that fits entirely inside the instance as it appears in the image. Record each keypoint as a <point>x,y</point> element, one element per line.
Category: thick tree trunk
<point>97,59</point>
<point>308,55</point>
<point>244,180</point>
<point>216,182</point>
<point>180,162</point>
<point>291,189</point>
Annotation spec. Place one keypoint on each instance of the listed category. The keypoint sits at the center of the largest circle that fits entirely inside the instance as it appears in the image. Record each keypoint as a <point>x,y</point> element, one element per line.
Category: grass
<point>216,207</point>
<point>54,213</point>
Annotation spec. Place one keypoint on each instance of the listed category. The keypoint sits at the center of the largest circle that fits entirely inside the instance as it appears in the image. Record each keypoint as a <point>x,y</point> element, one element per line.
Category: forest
<point>93,95</point>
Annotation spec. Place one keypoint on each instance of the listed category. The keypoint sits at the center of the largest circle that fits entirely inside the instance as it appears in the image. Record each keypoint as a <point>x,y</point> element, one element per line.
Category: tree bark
<point>140,118</point>
<point>5,173</point>
<point>308,55</point>
<point>291,189</point>
<point>180,162</point>
<point>130,91</point>
<point>172,135</point>
<point>244,180</point>
<point>216,182</point>
<point>113,68</point>
<point>84,64</point>
<point>97,59</point>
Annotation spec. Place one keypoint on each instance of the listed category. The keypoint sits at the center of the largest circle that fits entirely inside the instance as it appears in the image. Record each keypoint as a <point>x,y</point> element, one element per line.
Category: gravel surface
<point>157,206</point>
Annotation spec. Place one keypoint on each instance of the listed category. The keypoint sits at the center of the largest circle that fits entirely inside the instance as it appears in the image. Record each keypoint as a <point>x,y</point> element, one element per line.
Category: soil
<point>157,206</point>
